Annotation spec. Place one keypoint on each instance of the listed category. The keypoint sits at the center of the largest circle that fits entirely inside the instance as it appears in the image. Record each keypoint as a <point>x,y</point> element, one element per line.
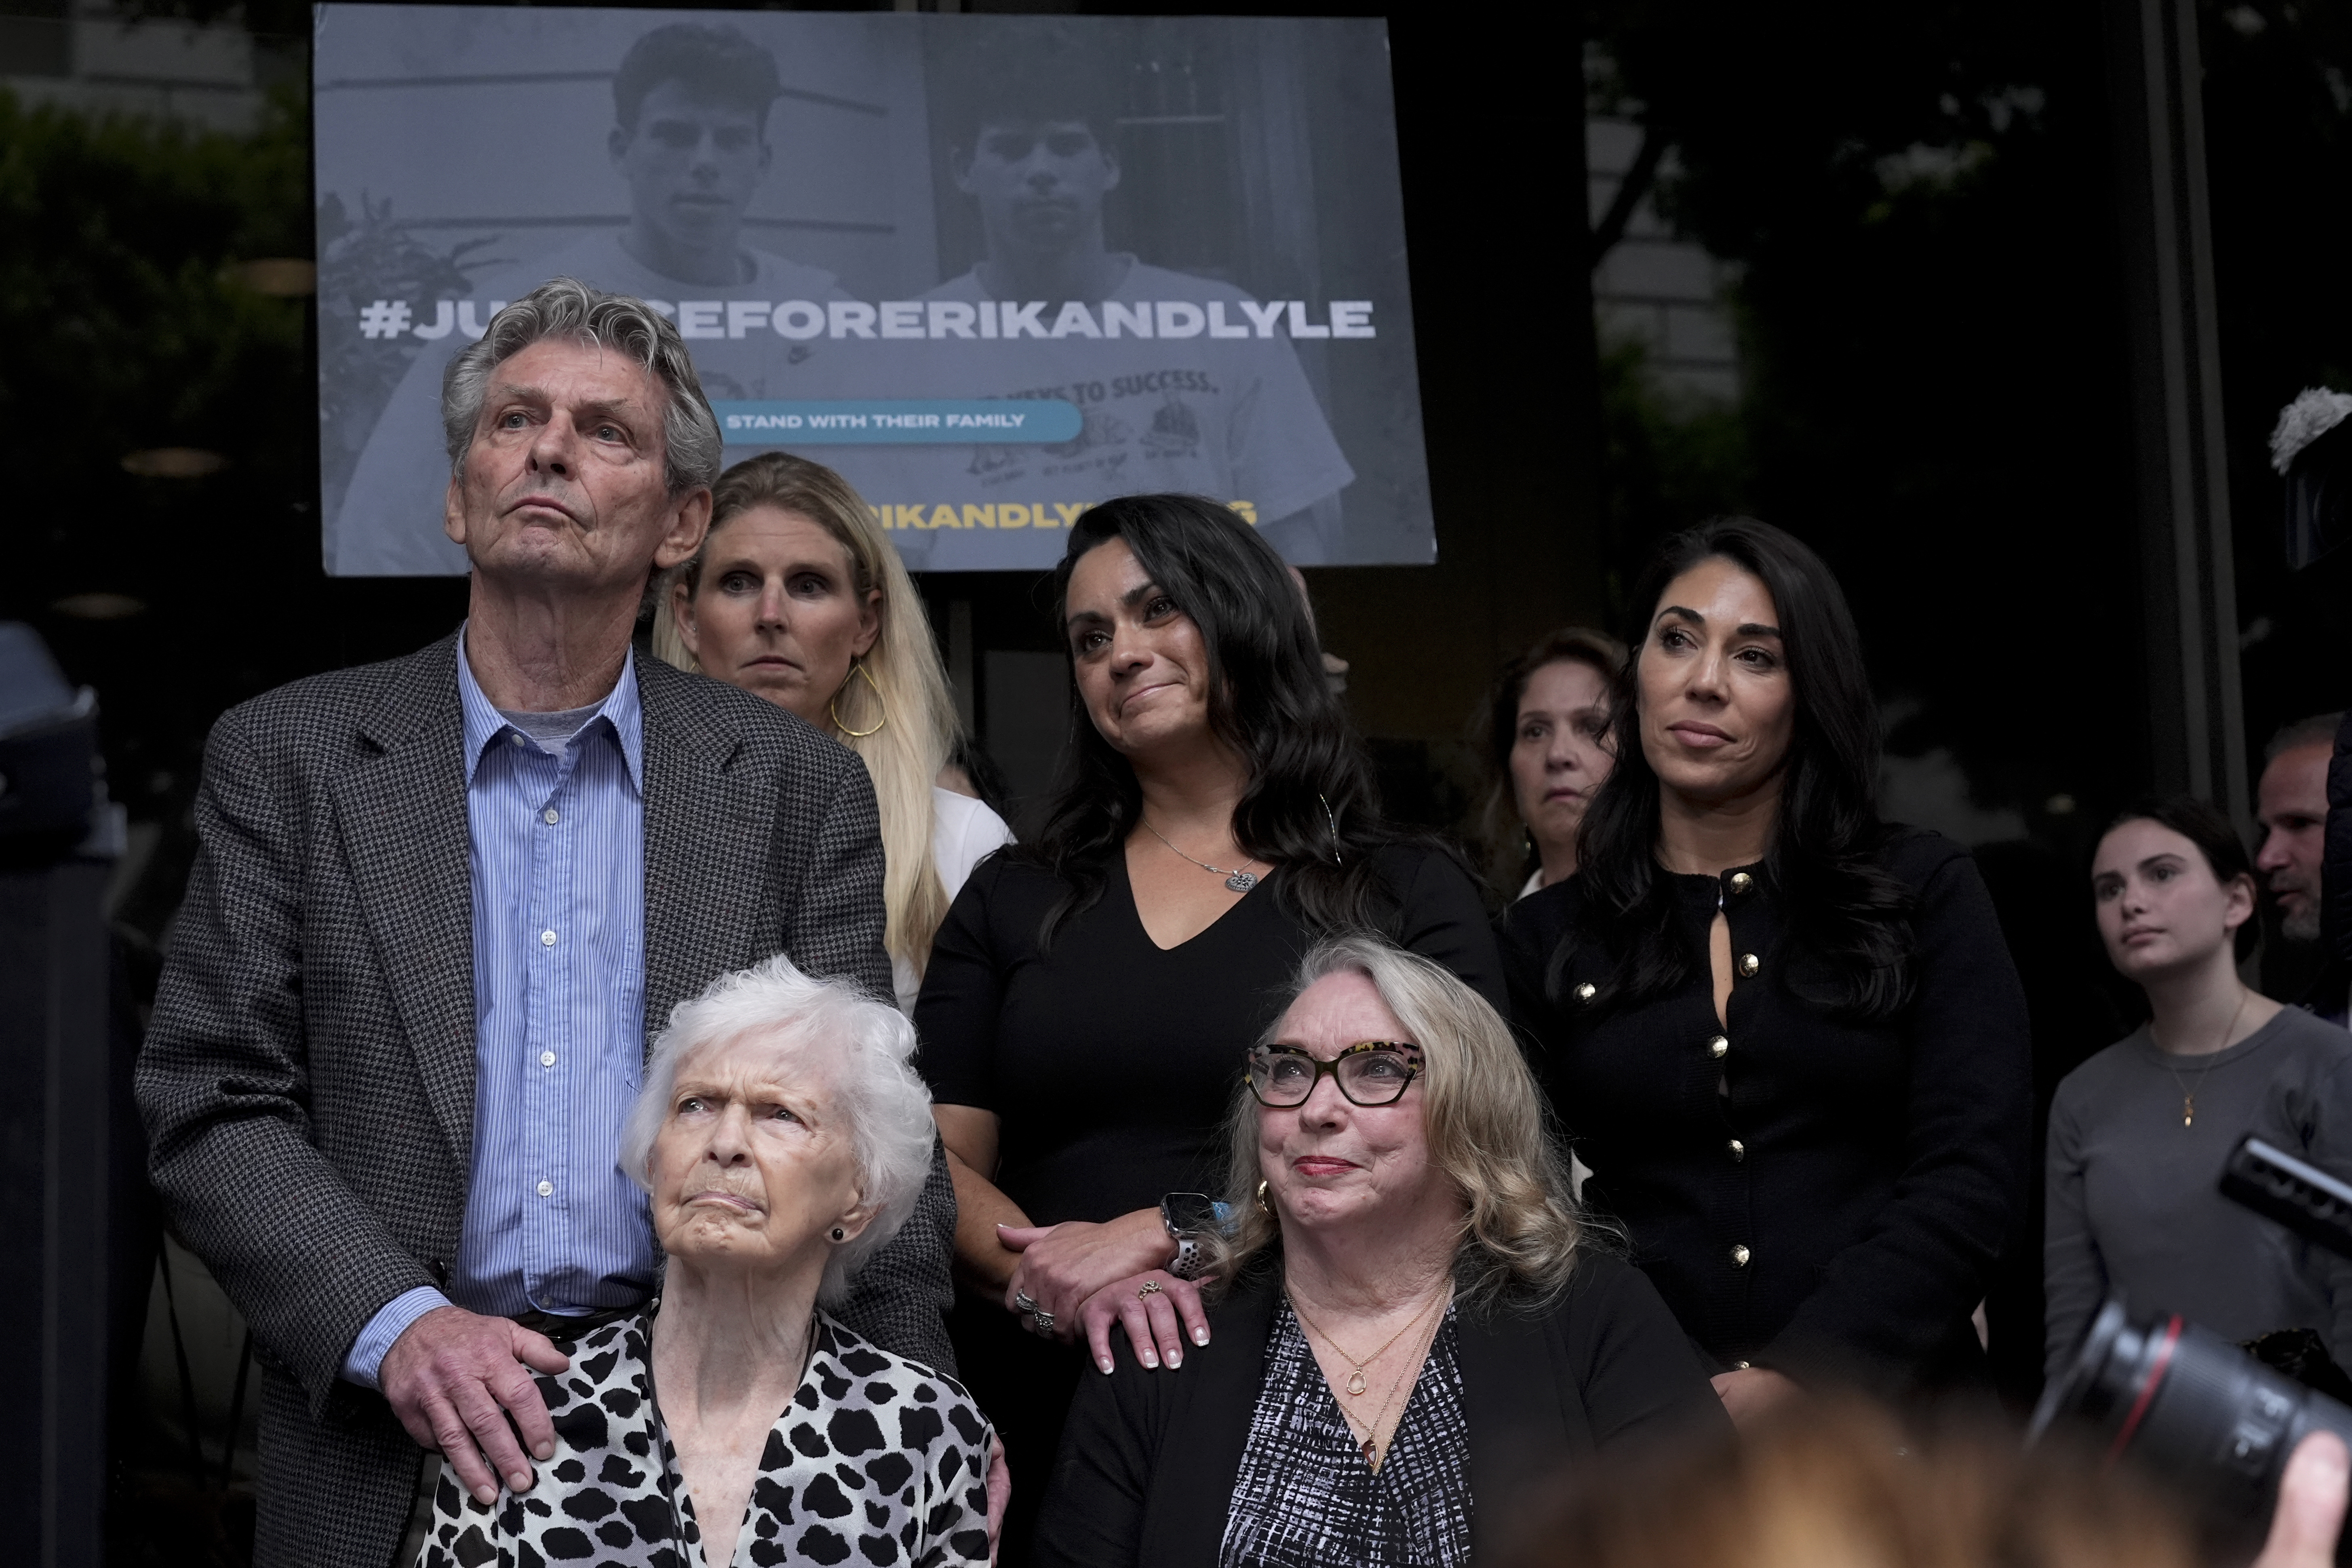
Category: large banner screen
<point>992,269</point>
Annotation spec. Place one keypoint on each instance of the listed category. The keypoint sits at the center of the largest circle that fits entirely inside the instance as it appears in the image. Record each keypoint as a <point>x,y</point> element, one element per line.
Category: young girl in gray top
<point>2138,1133</point>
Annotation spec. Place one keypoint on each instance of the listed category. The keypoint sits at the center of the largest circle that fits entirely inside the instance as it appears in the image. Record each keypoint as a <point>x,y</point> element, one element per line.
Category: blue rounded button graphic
<point>924,421</point>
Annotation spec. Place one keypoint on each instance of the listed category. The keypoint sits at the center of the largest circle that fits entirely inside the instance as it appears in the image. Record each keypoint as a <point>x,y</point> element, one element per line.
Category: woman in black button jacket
<point>1787,1037</point>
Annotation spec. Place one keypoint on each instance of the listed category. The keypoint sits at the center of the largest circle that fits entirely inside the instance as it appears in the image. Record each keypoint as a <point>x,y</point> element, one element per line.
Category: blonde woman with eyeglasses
<point>1410,1328</point>
<point>798,596</point>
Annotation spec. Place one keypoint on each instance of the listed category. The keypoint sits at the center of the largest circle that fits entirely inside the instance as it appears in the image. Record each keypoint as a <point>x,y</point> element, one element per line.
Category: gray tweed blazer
<point>307,1077</point>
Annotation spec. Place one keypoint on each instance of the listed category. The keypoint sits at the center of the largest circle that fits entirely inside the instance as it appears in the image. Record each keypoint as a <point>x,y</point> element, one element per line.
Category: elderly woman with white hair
<point>1413,1328</point>
<point>783,1136</point>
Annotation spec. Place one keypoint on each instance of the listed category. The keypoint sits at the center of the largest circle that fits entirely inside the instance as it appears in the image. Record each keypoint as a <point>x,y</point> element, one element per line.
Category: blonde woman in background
<point>798,595</point>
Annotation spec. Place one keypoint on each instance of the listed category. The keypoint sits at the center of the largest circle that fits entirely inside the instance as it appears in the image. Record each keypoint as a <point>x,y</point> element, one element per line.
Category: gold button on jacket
<point>1739,1151</point>
<point>1749,964</point>
<point>1741,882</point>
<point>1740,1257</point>
<point>1718,1046</point>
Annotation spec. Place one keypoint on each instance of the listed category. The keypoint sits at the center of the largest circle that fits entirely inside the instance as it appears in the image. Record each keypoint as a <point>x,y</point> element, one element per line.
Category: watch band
<point>1197,1212</point>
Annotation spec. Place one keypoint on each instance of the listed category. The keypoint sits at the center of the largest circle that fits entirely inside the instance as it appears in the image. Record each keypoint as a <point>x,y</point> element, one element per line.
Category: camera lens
<point>2193,1410</point>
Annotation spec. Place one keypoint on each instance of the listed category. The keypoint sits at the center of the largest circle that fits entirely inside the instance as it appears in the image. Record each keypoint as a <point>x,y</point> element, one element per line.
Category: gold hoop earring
<point>856,669</point>
<point>1261,1199</point>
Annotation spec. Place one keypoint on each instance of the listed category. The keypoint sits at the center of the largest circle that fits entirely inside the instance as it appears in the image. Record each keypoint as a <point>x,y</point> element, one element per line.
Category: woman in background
<point>1786,1037</point>
<point>1546,739</point>
<point>2138,1133</point>
<point>798,596</point>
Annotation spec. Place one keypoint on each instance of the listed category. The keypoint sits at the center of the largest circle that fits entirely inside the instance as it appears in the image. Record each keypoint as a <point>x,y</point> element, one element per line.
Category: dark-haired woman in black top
<point>1787,1037</point>
<point>1089,995</point>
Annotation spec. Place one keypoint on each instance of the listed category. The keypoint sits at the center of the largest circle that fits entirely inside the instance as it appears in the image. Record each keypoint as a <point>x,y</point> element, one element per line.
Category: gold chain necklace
<point>2187,1095</point>
<point>1370,1448</point>
<point>1356,1384</point>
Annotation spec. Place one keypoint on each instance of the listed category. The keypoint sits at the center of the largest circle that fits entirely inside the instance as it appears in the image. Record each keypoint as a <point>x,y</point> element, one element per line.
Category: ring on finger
<point>1148,1287</point>
<point>1045,1320</point>
<point>1022,1300</point>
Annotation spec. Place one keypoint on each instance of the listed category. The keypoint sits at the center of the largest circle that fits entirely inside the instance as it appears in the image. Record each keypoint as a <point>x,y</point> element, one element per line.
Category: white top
<point>963,832</point>
<point>1534,883</point>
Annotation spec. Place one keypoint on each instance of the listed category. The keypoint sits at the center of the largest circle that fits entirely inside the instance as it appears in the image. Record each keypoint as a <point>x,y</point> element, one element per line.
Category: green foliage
<point>123,329</point>
<point>1667,461</point>
<point>1921,200</point>
<point>1932,342</point>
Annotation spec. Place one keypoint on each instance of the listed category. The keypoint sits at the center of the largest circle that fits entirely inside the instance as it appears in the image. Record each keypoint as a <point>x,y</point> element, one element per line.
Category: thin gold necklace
<point>2187,1094</point>
<point>1371,1447</point>
<point>1356,1384</point>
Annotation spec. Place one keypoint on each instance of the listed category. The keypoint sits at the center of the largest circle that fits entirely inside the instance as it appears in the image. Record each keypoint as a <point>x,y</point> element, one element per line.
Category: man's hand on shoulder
<point>455,1377</point>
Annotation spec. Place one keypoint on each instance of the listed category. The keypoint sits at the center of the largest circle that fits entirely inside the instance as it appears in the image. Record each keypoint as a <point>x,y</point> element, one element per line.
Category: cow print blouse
<point>877,1461</point>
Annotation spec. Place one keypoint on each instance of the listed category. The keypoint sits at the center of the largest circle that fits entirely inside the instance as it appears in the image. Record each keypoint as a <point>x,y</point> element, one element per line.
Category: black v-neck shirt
<point>1110,1062</point>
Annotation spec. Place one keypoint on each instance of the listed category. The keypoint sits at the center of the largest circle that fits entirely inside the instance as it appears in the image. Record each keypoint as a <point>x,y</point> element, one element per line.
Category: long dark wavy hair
<point>1310,807</point>
<point>1849,918</point>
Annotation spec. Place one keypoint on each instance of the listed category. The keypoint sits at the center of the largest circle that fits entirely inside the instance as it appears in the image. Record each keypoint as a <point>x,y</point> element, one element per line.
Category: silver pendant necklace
<point>1240,881</point>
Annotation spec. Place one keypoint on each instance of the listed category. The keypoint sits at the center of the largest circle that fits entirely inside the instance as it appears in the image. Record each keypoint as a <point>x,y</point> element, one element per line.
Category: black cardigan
<point>1150,1459</point>
<point>1838,1212</point>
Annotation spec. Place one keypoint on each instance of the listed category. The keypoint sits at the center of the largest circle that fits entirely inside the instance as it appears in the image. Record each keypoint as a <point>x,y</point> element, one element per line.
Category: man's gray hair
<point>692,449</point>
<point>2319,729</point>
<point>864,1048</point>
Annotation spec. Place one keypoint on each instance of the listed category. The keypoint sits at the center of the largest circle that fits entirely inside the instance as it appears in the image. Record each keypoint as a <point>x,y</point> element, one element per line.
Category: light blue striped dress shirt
<point>558,860</point>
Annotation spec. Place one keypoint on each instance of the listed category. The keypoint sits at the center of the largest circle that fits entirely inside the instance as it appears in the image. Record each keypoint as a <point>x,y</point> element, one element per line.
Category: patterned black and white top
<point>1305,1497</point>
<point>877,1460</point>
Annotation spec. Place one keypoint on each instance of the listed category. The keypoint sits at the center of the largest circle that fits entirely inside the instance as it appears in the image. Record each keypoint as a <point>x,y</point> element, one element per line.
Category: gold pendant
<point>1356,1381</point>
<point>1371,1455</point>
<point>2189,1111</point>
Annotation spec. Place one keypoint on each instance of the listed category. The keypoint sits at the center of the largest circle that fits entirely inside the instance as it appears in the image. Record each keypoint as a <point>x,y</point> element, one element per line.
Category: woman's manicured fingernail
<point>1175,1358</point>
<point>1105,1364</point>
<point>1199,1336</point>
<point>1150,1360</point>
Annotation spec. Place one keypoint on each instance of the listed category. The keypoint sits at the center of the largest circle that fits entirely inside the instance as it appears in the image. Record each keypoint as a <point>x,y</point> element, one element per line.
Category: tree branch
<point>1630,190</point>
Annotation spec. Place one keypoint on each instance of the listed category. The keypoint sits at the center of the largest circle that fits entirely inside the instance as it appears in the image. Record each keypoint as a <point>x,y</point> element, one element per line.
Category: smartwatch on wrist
<point>1190,1218</point>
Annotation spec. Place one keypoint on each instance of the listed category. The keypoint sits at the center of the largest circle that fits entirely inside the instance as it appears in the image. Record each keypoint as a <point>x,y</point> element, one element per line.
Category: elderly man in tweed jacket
<point>439,905</point>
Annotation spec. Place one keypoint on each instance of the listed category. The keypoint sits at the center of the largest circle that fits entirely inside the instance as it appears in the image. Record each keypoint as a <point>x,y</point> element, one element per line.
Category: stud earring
<point>840,1233</point>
